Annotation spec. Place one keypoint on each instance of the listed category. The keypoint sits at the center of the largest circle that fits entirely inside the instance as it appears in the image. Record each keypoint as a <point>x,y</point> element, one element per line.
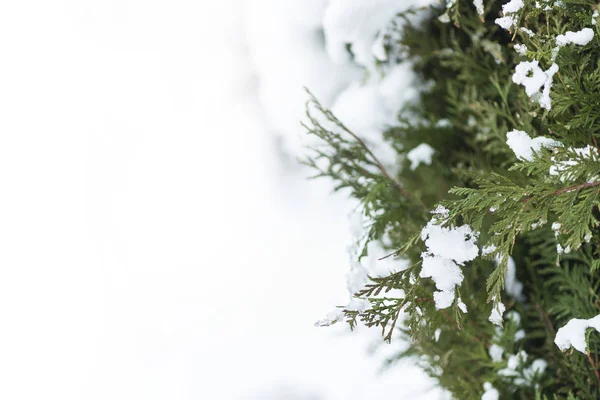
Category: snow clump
<point>490,393</point>
<point>420,155</point>
<point>448,248</point>
<point>530,75</point>
<point>524,146</point>
<point>580,38</point>
<point>510,10</point>
<point>573,333</point>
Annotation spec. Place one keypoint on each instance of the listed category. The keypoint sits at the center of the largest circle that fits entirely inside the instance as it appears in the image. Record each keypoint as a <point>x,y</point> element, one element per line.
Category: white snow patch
<point>445,18</point>
<point>530,75</point>
<point>533,78</point>
<point>495,351</point>
<point>356,23</point>
<point>437,334</point>
<point>580,38</point>
<point>519,335</point>
<point>529,32</point>
<point>523,145</point>
<point>496,314</point>
<point>521,49</point>
<point>453,243</point>
<point>378,48</point>
<point>537,367</point>
<point>594,17</point>
<point>420,155</point>
<point>368,109</point>
<point>517,359</point>
<point>358,304</point>
<point>525,376</point>
<point>357,277</point>
<point>506,22</point>
<point>478,6</point>
<point>287,53</point>
<point>490,393</point>
<point>556,228</point>
<point>443,123</point>
<point>561,167</point>
<point>512,6</point>
<point>462,306</point>
<point>441,212</point>
<point>544,99</point>
<point>510,9</point>
<point>514,317</point>
<point>573,333</point>
<point>446,274</point>
<point>447,248</point>
<point>489,249</point>
<point>330,319</point>
<point>512,286</point>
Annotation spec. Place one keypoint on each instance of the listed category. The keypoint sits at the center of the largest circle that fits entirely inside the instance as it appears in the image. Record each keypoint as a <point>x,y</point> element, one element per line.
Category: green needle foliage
<point>541,211</point>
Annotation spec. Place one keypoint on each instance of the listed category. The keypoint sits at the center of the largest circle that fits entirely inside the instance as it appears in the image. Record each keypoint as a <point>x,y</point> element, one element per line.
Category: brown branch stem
<point>594,366</point>
<point>546,319</point>
<point>586,185</point>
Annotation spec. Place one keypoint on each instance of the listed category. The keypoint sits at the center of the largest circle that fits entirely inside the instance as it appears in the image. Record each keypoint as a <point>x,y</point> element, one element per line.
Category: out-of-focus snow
<point>512,285</point>
<point>286,43</point>
<point>368,109</point>
<point>149,250</point>
<point>356,23</point>
<point>490,393</point>
<point>305,44</point>
<point>420,155</point>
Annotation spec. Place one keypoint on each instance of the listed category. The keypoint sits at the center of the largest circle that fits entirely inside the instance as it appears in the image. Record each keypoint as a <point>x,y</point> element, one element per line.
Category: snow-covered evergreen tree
<point>472,147</point>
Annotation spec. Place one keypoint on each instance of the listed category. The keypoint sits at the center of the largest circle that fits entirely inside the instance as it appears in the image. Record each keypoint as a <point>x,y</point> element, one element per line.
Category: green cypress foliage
<point>536,204</point>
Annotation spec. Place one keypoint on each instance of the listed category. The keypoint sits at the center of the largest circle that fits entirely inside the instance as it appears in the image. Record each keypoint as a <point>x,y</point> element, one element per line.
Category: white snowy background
<point>157,238</point>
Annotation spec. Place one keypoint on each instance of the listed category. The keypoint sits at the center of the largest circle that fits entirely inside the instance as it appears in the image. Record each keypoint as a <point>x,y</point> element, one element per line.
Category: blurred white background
<point>156,240</point>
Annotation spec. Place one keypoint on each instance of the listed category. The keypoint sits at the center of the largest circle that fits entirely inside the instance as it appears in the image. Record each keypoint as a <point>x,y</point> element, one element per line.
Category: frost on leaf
<point>448,248</point>
<point>573,333</point>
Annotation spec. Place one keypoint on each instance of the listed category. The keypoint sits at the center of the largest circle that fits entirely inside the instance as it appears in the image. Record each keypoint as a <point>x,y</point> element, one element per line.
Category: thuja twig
<point>330,116</point>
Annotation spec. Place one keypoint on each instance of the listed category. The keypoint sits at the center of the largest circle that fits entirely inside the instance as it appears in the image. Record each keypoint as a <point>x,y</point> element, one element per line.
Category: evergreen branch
<point>330,116</point>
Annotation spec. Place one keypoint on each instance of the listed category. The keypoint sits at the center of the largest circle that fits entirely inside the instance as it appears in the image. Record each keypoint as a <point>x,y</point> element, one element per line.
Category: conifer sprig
<point>533,203</point>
